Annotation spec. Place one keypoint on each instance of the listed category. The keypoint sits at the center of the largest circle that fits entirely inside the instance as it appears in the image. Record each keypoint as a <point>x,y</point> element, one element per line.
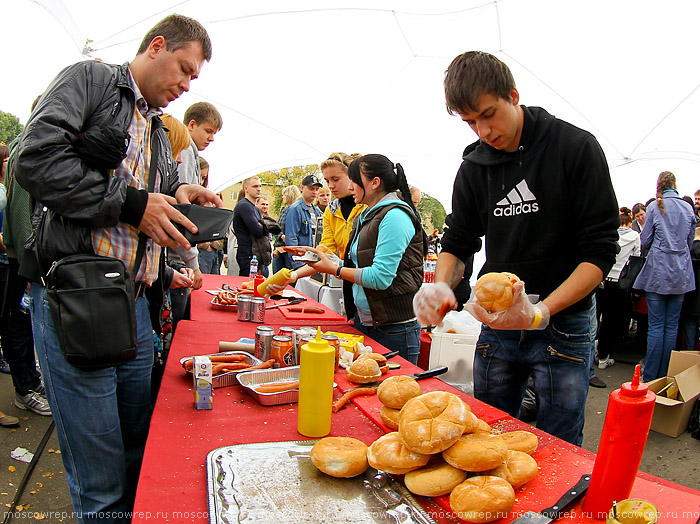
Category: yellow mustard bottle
<point>281,278</point>
<point>317,366</point>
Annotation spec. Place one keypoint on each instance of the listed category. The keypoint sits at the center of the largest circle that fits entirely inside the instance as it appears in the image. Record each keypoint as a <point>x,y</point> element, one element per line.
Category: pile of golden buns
<point>494,291</point>
<point>367,368</point>
<point>438,445</point>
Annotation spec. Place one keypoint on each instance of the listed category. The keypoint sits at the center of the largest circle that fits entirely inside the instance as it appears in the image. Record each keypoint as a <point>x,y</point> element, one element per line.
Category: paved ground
<point>46,496</point>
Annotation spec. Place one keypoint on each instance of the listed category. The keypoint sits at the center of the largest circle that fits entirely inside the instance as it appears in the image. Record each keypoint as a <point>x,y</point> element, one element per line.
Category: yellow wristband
<point>537,320</point>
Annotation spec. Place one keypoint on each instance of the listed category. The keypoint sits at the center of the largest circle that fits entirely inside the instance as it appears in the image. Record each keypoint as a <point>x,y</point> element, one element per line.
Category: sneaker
<point>597,383</point>
<point>40,389</point>
<point>605,363</point>
<point>33,401</point>
<point>4,366</point>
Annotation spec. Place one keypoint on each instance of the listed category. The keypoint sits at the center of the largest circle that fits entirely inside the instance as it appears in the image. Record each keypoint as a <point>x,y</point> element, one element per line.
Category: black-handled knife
<point>559,508</point>
<point>418,376</point>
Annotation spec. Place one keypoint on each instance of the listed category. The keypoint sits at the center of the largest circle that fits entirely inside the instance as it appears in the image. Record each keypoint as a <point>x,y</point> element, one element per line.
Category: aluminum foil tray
<point>266,483</point>
<point>223,307</point>
<point>230,378</point>
<point>251,379</point>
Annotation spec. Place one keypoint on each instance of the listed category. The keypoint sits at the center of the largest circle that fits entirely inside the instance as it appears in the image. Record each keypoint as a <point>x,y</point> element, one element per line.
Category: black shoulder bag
<point>92,302</point>
<point>630,272</point>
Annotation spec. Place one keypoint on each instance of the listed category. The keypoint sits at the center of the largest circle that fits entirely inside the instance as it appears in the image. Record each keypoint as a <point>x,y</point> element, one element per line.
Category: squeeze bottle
<point>621,447</point>
<point>281,278</point>
<point>317,366</point>
<point>259,279</point>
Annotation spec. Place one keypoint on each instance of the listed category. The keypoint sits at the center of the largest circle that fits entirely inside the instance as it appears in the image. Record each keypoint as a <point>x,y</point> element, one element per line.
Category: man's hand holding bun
<point>521,314</point>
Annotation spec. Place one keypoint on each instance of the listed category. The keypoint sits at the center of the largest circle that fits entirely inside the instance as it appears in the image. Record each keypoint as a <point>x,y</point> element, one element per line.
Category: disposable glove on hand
<point>521,315</point>
<point>432,302</point>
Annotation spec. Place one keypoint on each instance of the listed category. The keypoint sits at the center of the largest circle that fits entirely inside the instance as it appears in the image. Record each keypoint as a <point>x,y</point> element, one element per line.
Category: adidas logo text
<point>519,200</point>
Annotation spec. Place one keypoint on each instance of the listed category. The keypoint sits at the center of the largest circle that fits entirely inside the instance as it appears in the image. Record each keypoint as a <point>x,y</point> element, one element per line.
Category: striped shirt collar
<point>141,104</point>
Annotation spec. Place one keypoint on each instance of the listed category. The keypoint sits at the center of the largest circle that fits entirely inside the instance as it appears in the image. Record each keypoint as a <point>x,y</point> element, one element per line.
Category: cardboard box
<point>456,351</point>
<point>671,416</point>
<point>202,377</point>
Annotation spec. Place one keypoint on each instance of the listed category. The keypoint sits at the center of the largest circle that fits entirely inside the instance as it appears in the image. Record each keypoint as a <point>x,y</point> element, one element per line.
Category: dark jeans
<point>208,262</point>
<point>664,314</point>
<point>16,334</point>
<point>243,260</point>
<point>179,300</point>
<point>404,337</point>
<point>558,358</point>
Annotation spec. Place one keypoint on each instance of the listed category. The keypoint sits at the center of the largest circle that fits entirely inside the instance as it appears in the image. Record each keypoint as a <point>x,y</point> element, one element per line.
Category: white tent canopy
<point>296,80</point>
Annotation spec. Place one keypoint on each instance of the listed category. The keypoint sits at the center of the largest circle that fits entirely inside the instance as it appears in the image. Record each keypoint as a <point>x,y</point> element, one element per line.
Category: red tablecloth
<point>173,476</point>
<point>201,309</point>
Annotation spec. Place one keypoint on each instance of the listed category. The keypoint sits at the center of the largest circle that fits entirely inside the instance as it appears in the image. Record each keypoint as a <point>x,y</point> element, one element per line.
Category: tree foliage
<point>281,178</point>
<point>432,212</point>
<point>9,127</point>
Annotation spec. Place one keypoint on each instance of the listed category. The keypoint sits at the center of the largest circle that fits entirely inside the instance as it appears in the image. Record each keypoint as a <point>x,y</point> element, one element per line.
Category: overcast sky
<point>296,80</point>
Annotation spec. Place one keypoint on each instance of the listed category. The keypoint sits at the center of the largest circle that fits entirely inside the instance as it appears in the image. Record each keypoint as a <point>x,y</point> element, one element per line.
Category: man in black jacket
<point>85,158</point>
<point>539,190</point>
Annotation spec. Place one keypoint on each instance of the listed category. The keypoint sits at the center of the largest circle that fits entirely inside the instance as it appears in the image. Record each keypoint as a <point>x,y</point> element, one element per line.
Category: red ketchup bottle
<point>621,447</point>
<point>259,279</point>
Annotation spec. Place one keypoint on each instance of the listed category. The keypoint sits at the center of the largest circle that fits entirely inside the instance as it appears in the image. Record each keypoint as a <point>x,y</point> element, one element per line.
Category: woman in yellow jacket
<point>338,216</point>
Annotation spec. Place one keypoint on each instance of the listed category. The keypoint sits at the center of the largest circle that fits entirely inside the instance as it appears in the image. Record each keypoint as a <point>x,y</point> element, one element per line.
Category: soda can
<point>244,308</point>
<point>283,351</point>
<point>297,338</point>
<point>263,342</point>
<point>257,310</point>
<point>286,331</point>
<point>334,341</point>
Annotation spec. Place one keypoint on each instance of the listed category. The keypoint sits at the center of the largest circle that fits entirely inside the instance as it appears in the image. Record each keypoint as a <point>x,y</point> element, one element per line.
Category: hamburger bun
<point>471,423</point>
<point>482,427</point>
<point>520,441</point>
<point>380,359</point>
<point>432,422</point>
<point>395,391</point>
<point>342,457</point>
<point>476,452</point>
<point>435,479</point>
<point>482,499</point>
<point>518,469</point>
<point>363,370</point>
<point>390,417</point>
<point>389,454</point>
<point>494,291</point>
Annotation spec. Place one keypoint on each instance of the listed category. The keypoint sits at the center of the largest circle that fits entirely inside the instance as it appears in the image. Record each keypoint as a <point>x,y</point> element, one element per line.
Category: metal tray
<point>251,379</point>
<point>223,307</point>
<point>230,378</point>
<point>265,484</point>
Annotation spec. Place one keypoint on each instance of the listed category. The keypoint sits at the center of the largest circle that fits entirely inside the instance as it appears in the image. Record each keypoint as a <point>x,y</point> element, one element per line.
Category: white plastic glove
<point>521,315</point>
<point>432,302</point>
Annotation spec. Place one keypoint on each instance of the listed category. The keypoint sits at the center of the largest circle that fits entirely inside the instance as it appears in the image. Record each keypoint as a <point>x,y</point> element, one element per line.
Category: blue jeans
<point>558,358</point>
<point>102,417</point>
<point>664,314</point>
<point>593,318</point>
<point>208,261</point>
<point>404,337</point>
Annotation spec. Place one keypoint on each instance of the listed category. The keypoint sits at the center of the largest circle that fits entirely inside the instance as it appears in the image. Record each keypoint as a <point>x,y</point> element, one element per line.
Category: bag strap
<point>152,170</point>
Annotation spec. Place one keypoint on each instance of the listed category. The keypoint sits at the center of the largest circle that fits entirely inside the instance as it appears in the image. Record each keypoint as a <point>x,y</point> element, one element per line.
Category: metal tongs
<point>379,484</point>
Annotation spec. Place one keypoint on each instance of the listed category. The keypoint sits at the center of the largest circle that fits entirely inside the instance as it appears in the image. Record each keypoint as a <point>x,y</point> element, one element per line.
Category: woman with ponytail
<point>667,274</point>
<point>383,266</point>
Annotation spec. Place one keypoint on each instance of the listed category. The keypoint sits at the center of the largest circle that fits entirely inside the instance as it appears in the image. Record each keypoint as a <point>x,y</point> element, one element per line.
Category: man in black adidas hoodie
<point>539,190</point>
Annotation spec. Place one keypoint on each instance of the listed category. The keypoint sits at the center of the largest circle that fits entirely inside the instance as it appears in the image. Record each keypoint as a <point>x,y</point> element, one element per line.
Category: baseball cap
<point>311,180</point>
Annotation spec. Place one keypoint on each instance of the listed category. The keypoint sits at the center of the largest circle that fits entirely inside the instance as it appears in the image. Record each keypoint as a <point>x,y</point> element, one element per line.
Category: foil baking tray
<point>265,483</point>
<point>223,307</point>
<point>230,378</point>
<point>252,379</point>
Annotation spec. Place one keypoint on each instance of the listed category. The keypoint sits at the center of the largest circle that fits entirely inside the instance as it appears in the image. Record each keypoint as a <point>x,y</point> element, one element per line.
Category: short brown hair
<point>473,74</point>
<point>203,112</point>
<point>178,32</point>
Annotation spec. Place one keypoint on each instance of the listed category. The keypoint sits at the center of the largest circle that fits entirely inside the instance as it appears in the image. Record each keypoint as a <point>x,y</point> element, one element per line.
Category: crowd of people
<point>516,188</point>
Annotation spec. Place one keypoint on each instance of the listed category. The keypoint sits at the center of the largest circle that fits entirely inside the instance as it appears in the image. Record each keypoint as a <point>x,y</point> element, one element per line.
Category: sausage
<point>315,310</point>
<point>277,387</point>
<point>187,364</point>
<point>356,392</point>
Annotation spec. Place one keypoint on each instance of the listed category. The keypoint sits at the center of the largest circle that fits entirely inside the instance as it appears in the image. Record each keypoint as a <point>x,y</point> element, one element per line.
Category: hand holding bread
<point>499,300</point>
